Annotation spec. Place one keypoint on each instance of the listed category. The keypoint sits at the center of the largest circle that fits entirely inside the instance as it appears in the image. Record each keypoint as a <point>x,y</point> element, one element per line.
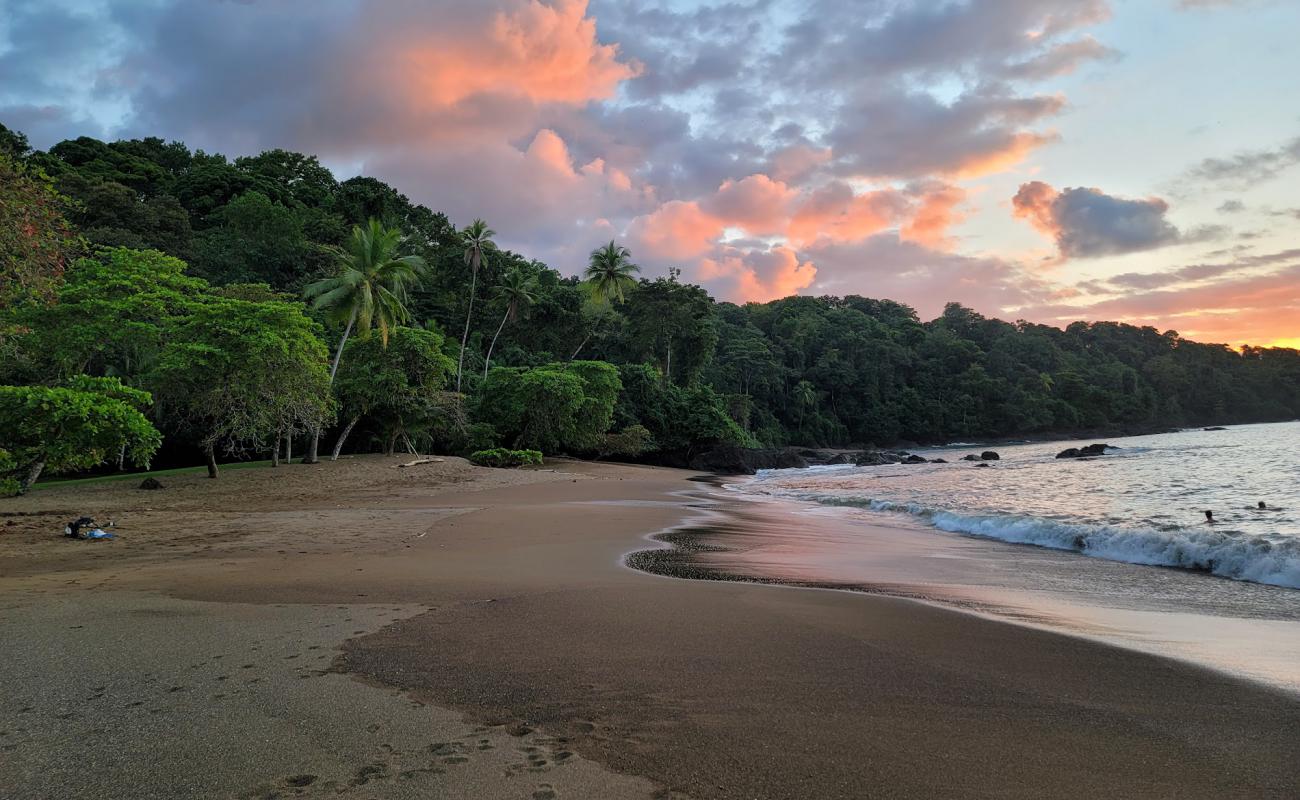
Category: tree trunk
<point>493,346</point>
<point>209,450</point>
<point>32,475</point>
<point>670,359</point>
<point>579,350</point>
<point>275,449</point>
<point>391,444</point>
<point>338,444</point>
<point>314,446</point>
<point>464,338</point>
<point>288,448</point>
<point>121,457</point>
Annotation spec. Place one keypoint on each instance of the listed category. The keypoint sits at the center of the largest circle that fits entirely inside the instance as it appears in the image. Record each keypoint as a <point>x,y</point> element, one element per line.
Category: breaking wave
<point>1227,554</point>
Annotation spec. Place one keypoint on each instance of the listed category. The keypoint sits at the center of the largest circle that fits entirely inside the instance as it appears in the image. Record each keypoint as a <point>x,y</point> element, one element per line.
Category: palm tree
<point>805,397</point>
<point>477,239</point>
<point>609,273</point>
<point>517,291</point>
<point>608,278</point>
<point>369,291</point>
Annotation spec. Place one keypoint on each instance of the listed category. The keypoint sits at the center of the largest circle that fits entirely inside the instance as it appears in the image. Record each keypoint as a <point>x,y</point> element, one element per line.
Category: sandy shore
<point>354,629</point>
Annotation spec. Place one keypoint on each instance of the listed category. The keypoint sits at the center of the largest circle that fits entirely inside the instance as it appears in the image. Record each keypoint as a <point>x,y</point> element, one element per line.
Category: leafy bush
<point>480,436</point>
<point>630,442</point>
<point>556,408</point>
<point>501,457</point>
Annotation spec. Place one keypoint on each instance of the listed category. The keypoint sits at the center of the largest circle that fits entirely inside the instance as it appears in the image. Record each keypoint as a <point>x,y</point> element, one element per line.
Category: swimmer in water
<point>1209,516</point>
<point>1262,506</point>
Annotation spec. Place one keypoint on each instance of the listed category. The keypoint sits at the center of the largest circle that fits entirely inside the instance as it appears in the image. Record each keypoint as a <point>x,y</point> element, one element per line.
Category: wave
<point>1230,555</point>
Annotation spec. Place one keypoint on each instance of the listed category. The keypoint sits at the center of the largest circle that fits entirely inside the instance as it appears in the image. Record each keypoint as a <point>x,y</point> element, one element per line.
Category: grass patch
<point>139,476</point>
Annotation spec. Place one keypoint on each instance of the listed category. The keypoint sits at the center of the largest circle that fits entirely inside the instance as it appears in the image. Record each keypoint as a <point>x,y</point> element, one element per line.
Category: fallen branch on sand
<point>417,462</point>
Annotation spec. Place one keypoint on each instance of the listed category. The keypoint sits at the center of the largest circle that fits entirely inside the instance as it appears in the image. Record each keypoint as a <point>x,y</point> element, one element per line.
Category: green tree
<point>552,408</point>
<point>395,386</point>
<point>236,374</point>
<point>517,292</point>
<point>109,316</point>
<point>370,291</point>
<point>68,428</point>
<point>36,240</point>
<point>477,241</point>
<point>609,273</point>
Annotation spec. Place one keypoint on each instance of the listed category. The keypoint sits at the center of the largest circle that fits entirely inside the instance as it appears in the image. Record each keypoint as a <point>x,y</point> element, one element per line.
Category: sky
<point>1047,160</point>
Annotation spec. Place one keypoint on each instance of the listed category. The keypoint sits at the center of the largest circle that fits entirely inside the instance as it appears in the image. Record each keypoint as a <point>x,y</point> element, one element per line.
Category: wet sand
<point>484,640</point>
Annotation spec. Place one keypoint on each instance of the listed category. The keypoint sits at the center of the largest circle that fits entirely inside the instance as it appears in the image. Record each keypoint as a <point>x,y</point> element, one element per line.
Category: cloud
<point>757,275</point>
<point>1062,59</point>
<point>926,279</point>
<point>1087,223</point>
<point>1247,168</point>
<point>758,144</point>
<point>893,133</point>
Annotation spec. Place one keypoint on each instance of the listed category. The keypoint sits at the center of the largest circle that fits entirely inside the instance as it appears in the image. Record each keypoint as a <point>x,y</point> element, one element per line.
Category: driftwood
<point>417,462</point>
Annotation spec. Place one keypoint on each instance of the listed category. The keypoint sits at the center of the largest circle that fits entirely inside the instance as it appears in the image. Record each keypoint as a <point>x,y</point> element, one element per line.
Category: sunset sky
<point>1050,160</point>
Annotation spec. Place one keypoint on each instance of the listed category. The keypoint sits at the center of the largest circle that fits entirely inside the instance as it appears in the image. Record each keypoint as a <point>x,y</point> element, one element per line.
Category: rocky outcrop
<point>1084,452</point>
<point>990,455</point>
<point>733,460</point>
<point>1215,428</point>
<point>150,484</point>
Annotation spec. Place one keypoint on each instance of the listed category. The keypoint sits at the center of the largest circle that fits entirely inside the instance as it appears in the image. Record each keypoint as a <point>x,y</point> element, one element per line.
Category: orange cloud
<point>1016,150</point>
<point>757,275</point>
<point>550,149</point>
<point>834,212</point>
<point>756,203</point>
<point>1034,203</point>
<point>676,230</point>
<point>935,214</point>
<point>546,53</point>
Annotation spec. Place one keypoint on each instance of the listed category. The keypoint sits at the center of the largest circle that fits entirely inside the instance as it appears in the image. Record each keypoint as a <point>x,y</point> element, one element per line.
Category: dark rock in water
<point>876,458</point>
<point>733,460</point>
<point>150,483</point>
<point>1084,452</point>
<point>970,457</point>
<point>1215,428</point>
<point>989,455</point>
<point>981,464</point>
<point>938,461</point>
<point>913,459</point>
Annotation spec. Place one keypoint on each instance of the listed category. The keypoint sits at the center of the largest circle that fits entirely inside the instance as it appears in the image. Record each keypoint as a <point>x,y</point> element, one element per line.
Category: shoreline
<point>718,545</point>
<point>520,626</point>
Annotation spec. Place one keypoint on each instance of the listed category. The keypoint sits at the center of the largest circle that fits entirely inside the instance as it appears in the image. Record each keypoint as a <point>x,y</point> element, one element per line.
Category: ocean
<point>1115,548</point>
<point>1143,502</point>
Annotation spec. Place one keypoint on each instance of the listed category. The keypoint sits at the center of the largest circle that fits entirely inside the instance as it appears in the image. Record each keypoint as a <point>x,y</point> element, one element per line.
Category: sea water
<point>1143,502</point>
<point>1115,547</point>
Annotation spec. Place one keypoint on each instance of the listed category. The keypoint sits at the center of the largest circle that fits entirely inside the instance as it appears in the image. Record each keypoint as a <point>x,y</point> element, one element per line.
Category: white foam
<point>1230,555</point>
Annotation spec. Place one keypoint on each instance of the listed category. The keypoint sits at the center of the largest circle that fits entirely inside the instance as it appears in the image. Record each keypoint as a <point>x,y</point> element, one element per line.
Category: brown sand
<point>501,595</point>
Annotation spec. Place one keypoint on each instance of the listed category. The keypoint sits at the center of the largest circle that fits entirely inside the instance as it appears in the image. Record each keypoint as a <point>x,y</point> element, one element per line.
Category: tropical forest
<point>168,306</point>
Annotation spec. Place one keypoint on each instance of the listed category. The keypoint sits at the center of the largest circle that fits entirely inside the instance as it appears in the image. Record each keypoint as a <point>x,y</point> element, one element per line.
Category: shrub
<point>501,457</point>
<point>630,442</point>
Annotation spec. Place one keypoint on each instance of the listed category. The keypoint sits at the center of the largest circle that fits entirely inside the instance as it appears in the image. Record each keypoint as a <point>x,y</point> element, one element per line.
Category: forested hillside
<point>223,288</point>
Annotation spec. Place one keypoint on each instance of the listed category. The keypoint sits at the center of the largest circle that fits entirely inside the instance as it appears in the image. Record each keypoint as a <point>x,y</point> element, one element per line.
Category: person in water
<point>1209,516</point>
<point>1262,506</point>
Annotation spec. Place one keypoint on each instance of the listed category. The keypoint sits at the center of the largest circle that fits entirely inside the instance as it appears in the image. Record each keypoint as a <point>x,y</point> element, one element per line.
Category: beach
<point>366,630</point>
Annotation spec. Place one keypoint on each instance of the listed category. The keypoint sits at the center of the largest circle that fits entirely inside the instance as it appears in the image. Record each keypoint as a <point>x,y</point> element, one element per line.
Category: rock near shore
<point>1084,452</point>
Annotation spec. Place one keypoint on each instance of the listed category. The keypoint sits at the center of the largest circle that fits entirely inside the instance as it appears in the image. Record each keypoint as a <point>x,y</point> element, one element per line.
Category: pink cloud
<point>756,275</point>
<point>545,53</point>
